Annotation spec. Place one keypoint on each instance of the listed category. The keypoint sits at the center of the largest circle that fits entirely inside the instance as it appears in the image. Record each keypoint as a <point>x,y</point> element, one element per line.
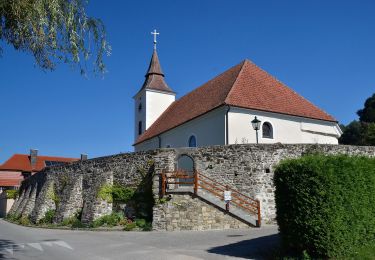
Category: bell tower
<point>153,98</point>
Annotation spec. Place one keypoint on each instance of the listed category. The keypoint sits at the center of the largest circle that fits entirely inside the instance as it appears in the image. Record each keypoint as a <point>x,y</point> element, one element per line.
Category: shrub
<point>105,193</point>
<point>12,217</point>
<point>122,194</point>
<point>147,226</point>
<point>74,221</point>
<point>77,224</point>
<point>12,194</point>
<point>25,221</point>
<point>115,193</point>
<point>130,226</point>
<point>326,204</point>
<point>111,220</point>
<point>141,223</point>
<point>48,217</point>
<point>51,194</point>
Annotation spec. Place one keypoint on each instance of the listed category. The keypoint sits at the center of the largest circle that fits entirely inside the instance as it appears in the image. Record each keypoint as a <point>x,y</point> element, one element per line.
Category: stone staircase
<point>241,206</point>
<point>233,209</point>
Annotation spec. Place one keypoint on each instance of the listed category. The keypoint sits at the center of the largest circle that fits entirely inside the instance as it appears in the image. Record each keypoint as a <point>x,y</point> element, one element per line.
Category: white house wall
<point>286,129</point>
<point>209,129</point>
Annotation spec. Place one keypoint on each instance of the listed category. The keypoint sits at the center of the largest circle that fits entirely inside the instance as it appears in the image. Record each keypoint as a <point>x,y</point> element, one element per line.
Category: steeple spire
<point>154,67</point>
<point>155,76</point>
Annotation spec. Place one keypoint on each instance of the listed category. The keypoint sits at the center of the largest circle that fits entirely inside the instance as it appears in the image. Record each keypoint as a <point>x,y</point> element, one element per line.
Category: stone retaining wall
<point>248,168</point>
<point>183,212</point>
<point>73,187</point>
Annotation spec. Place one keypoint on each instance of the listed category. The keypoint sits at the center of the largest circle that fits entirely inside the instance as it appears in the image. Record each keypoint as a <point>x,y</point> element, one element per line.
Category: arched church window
<point>267,130</point>
<point>192,141</point>
<point>140,107</point>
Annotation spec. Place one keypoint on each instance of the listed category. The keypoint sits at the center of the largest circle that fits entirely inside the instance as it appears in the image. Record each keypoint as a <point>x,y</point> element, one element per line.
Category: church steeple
<point>154,67</point>
<point>155,76</point>
<point>154,97</point>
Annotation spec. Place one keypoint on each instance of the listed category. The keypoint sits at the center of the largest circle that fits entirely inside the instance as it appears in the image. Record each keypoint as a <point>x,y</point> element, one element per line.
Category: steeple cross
<point>155,34</point>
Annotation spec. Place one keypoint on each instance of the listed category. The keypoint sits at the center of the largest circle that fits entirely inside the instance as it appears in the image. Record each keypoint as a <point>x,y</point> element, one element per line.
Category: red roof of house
<point>21,162</point>
<point>10,179</point>
<point>244,85</point>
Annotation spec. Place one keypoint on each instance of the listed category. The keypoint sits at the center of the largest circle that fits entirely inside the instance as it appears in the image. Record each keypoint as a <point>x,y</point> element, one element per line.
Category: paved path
<point>17,242</point>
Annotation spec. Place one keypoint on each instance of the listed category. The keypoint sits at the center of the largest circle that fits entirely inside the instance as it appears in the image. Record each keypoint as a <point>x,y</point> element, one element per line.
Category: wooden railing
<point>208,184</point>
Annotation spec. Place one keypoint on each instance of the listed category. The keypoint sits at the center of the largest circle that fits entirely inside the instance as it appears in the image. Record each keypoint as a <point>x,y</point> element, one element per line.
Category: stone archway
<point>185,163</point>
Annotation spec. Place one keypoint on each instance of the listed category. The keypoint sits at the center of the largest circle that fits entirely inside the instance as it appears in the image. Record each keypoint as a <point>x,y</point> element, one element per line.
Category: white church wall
<point>156,104</point>
<point>286,129</point>
<point>151,144</point>
<point>209,129</point>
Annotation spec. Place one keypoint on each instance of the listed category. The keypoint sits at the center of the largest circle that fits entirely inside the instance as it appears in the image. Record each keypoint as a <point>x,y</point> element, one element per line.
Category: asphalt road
<point>17,242</point>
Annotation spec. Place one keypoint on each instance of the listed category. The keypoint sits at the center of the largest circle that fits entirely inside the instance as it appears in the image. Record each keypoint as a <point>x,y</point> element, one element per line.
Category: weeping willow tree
<point>54,31</point>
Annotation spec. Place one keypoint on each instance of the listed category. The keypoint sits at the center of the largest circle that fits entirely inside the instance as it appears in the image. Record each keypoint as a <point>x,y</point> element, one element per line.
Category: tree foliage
<point>352,133</point>
<point>361,132</point>
<point>54,31</point>
<point>367,114</point>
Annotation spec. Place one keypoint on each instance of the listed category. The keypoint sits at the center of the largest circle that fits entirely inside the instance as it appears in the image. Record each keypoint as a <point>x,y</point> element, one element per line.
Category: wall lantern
<point>256,126</point>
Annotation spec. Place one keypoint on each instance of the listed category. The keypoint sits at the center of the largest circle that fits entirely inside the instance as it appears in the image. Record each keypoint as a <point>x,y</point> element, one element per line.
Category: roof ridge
<point>235,81</point>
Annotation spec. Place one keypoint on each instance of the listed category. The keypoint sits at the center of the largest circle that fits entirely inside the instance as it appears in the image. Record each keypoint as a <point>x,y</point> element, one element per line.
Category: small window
<point>267,130</point>
<point>140,107</point>
<point>192,141</point>
<point>139,127</point>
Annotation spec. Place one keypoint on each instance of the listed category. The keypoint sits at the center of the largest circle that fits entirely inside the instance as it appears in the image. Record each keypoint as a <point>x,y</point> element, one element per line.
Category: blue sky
<point>324,50</point>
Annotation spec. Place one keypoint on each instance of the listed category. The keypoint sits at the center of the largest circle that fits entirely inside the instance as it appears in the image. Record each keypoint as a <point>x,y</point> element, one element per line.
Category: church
<point>221,112</point>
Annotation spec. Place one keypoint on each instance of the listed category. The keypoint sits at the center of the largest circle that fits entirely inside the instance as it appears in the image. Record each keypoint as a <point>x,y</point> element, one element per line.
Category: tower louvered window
<point>139,127</point>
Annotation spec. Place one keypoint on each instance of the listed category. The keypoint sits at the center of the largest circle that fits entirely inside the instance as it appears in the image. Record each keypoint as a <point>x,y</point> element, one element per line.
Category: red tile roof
<point>21,162</point>
<point>10,179</point>
<point>244,85</point>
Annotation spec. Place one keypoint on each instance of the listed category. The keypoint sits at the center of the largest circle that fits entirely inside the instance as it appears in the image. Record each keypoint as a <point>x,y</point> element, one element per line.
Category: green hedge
<point>326,204</point>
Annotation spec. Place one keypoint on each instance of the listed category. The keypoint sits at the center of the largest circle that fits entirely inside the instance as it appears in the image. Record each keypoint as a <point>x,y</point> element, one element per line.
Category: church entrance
<point>185,165</point>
